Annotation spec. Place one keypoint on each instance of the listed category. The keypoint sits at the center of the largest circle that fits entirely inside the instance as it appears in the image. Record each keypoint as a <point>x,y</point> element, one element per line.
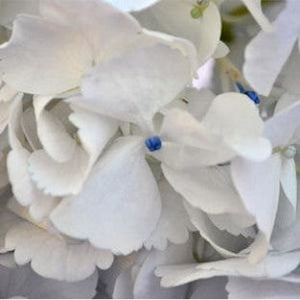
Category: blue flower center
<point>251,94</point>
<point>153,143</point>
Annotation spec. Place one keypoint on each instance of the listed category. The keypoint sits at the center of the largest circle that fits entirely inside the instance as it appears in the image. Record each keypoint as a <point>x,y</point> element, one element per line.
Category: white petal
<point>254,6</point>
<point>274,266</point>
<point>281,128</point>
<point>76,38</point>
<point>199,101</point>
<point>53,135</point>
<point>209,189</point>
<point>173,224</point>
<point>131,5</point>
<point>147,285</point>
<point>287,238</point>
<point>61,179</point>
<point>23,187</point>
<point>134,100</point>
<point>7,220</point>
<point>120,198</point>
<point>221,51</point>
<point>223,242</point>
<point>58,179</point>
<point>288,180</point>
<point>242,130</point>
<point>245,288</point>
<point>258,186</point>
<point>49,68</point>
<point>23,282</point>
<point>174,17</point>
<point>56,257</point>
<point>187,143</point>
<point>94,130</point>
<point>262,66</point>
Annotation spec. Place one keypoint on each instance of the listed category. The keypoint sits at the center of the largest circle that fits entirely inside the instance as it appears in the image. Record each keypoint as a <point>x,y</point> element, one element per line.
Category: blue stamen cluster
<point>251,94</point>
<point>153,143</point>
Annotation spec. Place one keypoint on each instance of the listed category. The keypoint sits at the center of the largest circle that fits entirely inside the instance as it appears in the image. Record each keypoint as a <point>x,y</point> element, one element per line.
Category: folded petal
<point>273,266</point>
<point>120,198</point>
<point>223,242</point>
<point>52,134</point>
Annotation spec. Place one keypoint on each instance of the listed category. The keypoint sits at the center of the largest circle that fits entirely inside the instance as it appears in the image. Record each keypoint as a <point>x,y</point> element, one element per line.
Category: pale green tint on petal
<point>174,17</point>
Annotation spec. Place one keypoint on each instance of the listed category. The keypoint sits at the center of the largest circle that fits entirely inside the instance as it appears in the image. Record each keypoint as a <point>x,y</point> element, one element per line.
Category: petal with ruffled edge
<point>23,187</point>
<point>262,66</point>
<point>174,224</point>
<point>61,179</point>
<point>174,17</point>
<point>120,198</point>
<point>76,38</point>
<point>52,134</point>
<point>56,257</point>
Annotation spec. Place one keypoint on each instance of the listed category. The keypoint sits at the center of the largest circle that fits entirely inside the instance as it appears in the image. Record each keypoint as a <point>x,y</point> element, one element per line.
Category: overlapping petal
<point>127,204</point>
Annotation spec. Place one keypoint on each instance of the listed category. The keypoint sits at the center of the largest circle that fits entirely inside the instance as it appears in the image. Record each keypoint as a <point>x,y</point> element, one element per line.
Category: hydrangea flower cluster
<point>149,148</point>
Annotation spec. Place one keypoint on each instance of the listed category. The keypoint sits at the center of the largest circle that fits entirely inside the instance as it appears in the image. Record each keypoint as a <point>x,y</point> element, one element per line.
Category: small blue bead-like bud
<point>240,87</point>
<point>153,143</point>
<point>253,96</point>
